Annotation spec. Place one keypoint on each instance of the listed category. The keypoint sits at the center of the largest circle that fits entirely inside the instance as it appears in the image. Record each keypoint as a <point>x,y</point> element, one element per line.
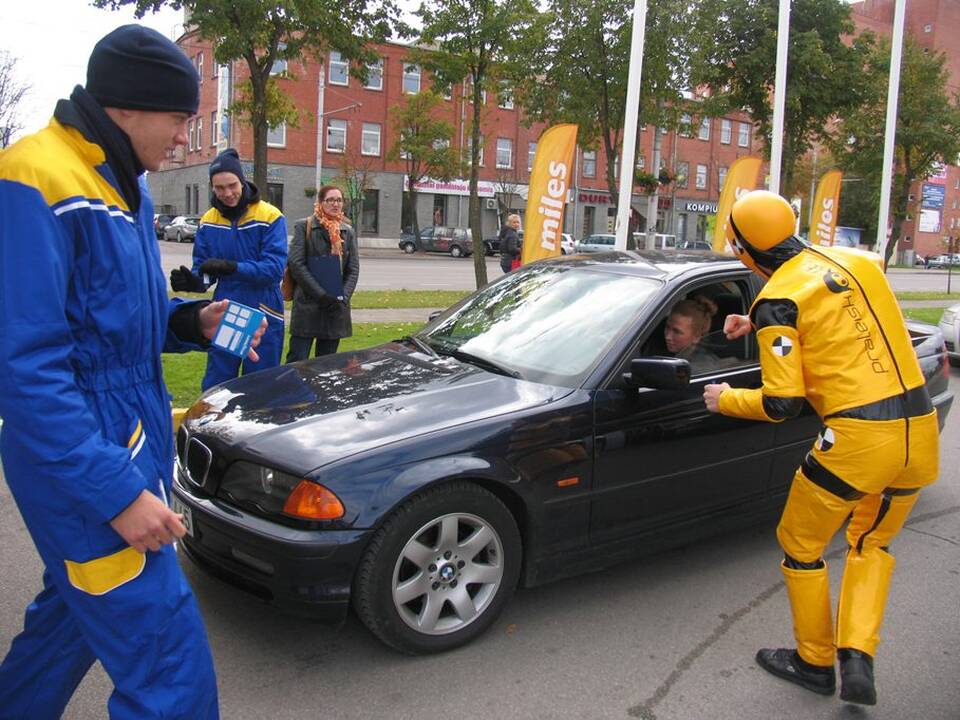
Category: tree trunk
<point>476,229</point>
<point>258,121</point>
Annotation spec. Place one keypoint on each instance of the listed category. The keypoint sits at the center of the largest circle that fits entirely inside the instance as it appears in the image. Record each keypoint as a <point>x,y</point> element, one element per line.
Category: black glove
<point>182,280</point>
<point>327,301</point>
<point>218,267</point>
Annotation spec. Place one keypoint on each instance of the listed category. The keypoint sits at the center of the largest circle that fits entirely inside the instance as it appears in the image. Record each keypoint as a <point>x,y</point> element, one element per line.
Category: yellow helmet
<point>759,221</point>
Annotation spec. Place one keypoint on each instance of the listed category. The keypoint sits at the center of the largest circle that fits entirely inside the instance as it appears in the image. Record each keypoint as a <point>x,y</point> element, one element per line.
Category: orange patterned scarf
<point>331,221</point>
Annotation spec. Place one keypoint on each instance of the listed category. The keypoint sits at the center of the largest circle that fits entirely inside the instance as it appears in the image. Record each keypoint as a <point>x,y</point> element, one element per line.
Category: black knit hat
<point>137,68</point>
<point>227,161</point>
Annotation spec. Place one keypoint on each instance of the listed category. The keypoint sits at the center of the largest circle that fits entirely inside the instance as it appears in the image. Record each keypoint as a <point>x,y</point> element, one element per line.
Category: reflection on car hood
<point>317,411</point>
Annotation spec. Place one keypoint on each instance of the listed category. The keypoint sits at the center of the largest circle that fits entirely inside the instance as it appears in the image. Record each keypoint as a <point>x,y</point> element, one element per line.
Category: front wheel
<point>456,251</point>
<point>440,570</point>
<point>179,236</point>
<point>409,248</point>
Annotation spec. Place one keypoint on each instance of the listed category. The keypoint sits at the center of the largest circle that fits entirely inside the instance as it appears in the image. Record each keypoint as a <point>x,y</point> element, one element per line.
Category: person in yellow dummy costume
<point>830,332</point>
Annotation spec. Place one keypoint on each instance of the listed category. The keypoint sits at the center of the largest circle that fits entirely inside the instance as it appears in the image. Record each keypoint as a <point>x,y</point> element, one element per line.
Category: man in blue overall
<point>87,437</point>
<point>241,245</point>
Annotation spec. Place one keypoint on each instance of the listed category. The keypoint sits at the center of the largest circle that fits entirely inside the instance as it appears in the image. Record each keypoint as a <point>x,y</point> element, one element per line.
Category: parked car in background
<point>439,238</point>
<point>943,261</point>
<point>160,222</point>
<point>950,327</point>
<point>520,437</point>
<point>183,228</point>
<point>491,245</point>
<point>693,245</point>
<point>568,246</point>
<point>598,242</point>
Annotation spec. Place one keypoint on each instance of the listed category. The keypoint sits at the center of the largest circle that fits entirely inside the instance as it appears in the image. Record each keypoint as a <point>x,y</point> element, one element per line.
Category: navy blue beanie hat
<point>136,68</point>
<point>228,161</point>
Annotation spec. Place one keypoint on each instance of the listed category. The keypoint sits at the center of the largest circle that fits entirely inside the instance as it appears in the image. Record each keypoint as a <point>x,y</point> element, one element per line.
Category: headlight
<point>948,317</point>
<point>272,492</point>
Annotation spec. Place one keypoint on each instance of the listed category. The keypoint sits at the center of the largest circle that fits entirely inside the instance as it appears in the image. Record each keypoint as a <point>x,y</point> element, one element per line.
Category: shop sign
<point>456,186</point>
<point>700,206</point>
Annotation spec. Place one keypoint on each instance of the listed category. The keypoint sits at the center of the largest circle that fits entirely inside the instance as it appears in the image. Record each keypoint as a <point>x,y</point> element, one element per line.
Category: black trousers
<point>299,348</point>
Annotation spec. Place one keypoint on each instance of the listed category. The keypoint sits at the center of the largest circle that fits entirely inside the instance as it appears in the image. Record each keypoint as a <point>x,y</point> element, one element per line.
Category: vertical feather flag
<point>741,178</point>
<point>549,179</point>
<point>826,208</point>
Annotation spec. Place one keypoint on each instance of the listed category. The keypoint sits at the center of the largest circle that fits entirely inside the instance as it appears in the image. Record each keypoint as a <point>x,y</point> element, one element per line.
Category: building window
<point>411,79</point>
<point>190,129</point>
<point>199,133</point>
<point>339,69</point>
<point>470,151</point>
<point>589,163</point>
<point>369,218</point>
<point>213,127</point>
<point>704,133</point>
<point>275,195</point>
<point>531,154</point>
<point>701,177</point>
<point>686,125</point>
<point>200,66</point>
<point>370,140</point>
<point>743,137</point>
<point>188,200</point>
<point>336,136</point>
<point>196,199</point>
<point>280,64</point>
<point>504,153</point>
<point>722,172</point>
<point>505,97</point>
<point>214,67</point>
<point>641,161</point>
<point>374,76</point>
<point>277,136</point>
<point>726,131</point>
<point>683,174</point>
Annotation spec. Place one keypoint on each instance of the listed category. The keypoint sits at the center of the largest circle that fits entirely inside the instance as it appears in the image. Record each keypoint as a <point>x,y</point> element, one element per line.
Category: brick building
<point>358,131</point>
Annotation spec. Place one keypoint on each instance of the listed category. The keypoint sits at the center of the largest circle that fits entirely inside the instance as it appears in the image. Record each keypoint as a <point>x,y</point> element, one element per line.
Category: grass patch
<point>183,372</point>
<point>927,295</point>
<point>927,315</point>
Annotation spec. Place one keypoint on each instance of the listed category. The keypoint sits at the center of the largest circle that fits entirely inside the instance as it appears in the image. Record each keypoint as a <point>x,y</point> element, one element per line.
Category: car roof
<point>658,264</point>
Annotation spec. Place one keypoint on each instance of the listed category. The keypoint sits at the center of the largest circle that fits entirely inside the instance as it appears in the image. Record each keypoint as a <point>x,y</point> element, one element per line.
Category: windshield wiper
<point>420,344</point>
<point>482,362</point>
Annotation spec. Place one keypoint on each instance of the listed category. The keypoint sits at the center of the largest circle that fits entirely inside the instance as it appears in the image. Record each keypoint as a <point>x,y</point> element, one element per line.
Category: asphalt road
<point>389,269</point>
<point>671,638</point>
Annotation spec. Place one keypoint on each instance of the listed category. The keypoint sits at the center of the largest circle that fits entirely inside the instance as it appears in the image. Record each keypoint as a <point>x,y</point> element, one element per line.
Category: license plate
<point>181,509</point>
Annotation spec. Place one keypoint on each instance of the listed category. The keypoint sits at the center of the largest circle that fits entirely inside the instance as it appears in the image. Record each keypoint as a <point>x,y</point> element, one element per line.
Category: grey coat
<point>314,313</point>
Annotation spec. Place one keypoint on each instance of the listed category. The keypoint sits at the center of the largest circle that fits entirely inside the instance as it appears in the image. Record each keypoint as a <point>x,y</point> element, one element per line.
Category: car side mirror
<point>660,373</point>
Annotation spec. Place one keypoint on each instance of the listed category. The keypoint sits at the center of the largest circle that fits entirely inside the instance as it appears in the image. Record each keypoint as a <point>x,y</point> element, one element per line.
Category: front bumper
<point>305,572</point>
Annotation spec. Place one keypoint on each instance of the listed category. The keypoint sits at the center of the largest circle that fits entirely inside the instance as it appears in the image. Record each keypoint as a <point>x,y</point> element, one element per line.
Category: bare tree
<point>12,93</point>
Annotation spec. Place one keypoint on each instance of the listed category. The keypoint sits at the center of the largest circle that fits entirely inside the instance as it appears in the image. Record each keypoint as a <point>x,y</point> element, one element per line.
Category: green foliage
<point>474,42</point>
<point>260,32</point>
<point>738,65</point>
<point>927,132</point>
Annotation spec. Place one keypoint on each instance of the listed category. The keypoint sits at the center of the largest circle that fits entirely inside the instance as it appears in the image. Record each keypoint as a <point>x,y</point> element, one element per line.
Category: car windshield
<point>548,323</point>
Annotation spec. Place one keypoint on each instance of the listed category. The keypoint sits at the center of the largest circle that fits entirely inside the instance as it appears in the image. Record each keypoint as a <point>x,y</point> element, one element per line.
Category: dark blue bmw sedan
<point>535,430</point>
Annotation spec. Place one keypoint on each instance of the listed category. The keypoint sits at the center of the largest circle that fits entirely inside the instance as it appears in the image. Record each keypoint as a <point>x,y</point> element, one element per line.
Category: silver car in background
<point>950,327</point>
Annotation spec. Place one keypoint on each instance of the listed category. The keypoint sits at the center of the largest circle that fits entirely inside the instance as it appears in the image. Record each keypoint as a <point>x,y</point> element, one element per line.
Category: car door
<point>661,460</point>
<point>441,238</point>
<point>426,239</point>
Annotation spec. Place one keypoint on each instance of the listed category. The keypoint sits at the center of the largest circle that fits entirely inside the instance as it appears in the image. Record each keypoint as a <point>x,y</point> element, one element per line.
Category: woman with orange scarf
<point>325,265</point>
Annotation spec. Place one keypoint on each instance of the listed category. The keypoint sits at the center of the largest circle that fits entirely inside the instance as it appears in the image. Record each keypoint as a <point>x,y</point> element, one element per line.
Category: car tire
<point>440,569</point>
<point>179,236</point>
<point>409,248</point>
<point>456,251</point>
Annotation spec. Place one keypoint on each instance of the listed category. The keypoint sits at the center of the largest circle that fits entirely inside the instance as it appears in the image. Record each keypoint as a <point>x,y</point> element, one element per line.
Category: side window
<point>690,326</point>
<point>459,234</point>
<point>426,233</point>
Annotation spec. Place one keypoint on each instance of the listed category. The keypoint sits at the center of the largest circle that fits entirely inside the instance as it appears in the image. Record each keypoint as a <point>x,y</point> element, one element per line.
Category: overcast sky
<point>52,40</point>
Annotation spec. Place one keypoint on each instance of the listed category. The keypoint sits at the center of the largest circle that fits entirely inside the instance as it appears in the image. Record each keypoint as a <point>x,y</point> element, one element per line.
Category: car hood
<point>314,412</point>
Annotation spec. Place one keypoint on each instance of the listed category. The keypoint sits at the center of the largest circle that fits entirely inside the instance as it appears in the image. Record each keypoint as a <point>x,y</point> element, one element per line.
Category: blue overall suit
<point>86,428</point>
<point>257,242</point>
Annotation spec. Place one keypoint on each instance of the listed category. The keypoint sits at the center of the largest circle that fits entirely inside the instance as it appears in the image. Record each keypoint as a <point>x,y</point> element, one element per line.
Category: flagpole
<point>628,152</point>
<point>893,92</point>
<point>779,95</point>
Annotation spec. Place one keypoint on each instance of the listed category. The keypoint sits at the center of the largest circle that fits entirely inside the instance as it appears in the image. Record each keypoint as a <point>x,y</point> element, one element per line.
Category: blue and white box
<point>237,328</point>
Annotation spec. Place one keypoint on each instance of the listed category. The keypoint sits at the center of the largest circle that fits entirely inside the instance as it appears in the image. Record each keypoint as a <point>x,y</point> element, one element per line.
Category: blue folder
<point>326,270</point>
<point>237,328</point>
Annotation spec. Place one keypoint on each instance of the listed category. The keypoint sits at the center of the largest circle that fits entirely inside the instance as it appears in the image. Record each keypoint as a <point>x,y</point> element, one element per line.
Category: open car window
<point>713,352</point>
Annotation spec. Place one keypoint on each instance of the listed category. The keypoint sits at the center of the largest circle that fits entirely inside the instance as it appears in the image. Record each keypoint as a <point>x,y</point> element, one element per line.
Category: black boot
<point>786,663</point>
<point>856,677</point>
